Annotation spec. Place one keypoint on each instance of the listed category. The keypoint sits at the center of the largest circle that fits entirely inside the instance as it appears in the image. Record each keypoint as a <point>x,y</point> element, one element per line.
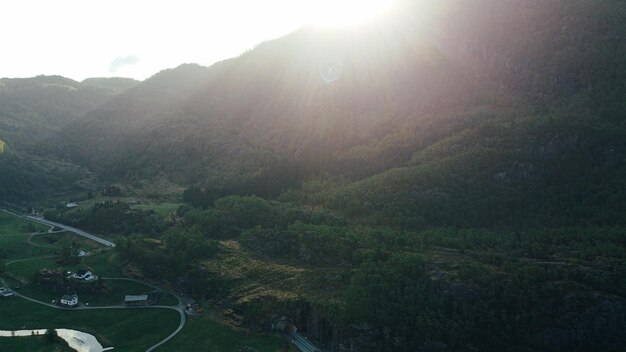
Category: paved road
<point>179,308</point>
<point>72,229</point>
<point>180,327</point>
<point>303,344</point>
<point>65,227</point>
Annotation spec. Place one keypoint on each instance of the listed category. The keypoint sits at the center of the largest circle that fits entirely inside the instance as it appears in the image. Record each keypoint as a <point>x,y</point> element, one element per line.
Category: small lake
<point>80,341</point>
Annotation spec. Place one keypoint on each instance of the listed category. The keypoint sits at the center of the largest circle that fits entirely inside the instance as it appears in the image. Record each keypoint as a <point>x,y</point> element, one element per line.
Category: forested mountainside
<point>482,113</point>
<point>450,180</point>
<point>33,109</point>
<point>36,109</point>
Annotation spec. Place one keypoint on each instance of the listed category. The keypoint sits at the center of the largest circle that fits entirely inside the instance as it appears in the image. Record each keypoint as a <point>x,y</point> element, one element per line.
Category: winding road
<point>179,308</point>
<point>41,220</point>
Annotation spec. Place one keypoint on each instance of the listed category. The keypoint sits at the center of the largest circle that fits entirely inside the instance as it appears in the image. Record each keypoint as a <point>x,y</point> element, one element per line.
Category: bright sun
<point>333,13</point>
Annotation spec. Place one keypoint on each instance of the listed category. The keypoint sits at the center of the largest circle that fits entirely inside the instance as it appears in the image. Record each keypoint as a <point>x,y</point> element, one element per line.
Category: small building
<point>136,300</point>
<point>71,205</point>
<point>83,275</point>
<point>69,300</point>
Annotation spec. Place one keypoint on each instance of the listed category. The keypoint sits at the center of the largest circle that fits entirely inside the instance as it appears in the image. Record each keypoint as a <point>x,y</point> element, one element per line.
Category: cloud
<point>122,61</point>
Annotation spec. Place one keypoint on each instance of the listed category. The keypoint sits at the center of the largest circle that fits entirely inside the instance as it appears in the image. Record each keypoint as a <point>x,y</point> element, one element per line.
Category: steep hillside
<point>359,102</point>
<point>274,104</point>
<point>33,110</point>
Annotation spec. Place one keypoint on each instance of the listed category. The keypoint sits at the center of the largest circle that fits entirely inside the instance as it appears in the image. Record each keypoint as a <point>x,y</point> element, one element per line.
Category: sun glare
<point>336,13</point>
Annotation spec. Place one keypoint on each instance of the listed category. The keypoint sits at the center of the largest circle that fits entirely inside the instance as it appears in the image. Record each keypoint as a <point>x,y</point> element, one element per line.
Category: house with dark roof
<point>69,300</point>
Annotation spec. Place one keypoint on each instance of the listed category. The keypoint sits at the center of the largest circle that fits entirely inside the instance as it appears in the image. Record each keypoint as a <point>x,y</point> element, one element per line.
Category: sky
<point>137,38</point>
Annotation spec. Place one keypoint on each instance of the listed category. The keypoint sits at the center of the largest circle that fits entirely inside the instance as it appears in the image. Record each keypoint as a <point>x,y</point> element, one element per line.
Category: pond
<point>80,341</point>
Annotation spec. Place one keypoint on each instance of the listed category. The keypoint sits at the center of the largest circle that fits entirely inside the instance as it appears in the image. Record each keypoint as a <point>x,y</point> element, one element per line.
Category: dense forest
<point>36,109</point>
<point>459,186</point>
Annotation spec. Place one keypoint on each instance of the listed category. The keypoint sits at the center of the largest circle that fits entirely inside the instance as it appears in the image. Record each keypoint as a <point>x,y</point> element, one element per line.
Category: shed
<point>136,299</point>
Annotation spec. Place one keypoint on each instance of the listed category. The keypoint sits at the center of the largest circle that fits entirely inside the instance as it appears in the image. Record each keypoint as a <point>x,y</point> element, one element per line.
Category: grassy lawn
<point>32,344</point>
<point>10,224</point>
<point>88,203</point>
<point>125,329</point>
<point>104,265</point>
<point>58,240</point>
<point>215,337</point>
<point>16,247</point>
<point>168,300</point>
<point>26,269</point>
<point>114,293</point>
<point>161,208</point>
<point>13,238</point>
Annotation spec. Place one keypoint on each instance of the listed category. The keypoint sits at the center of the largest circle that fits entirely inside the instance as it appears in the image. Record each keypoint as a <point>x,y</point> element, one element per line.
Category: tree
<point>69,255</point>
<point>51,336</point>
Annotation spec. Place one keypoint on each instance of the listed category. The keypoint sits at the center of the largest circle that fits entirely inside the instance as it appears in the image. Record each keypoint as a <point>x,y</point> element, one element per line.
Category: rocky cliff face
<point>586,323</point>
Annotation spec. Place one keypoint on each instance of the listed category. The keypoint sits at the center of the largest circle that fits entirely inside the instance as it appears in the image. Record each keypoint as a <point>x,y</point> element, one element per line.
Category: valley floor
<point>28,248</point>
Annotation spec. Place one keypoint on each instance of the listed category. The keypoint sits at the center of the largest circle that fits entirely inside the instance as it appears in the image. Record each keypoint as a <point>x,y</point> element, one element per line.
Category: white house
<point>83,275</point>
<point>69,300</point>
<point>71,205</point>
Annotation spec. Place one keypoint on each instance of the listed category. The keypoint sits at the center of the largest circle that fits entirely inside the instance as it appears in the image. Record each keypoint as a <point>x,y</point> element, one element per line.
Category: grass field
<point>212,336</point>
<point>32,344</point>
<point>159,208</point>
<point>125,329</point>
<point>10,224</point>
<point>88,203</point>
<point>104,265</point>
<point>58,240</point>
<point>115,290</point>
<point>14,238</point>
<point>16,247</point>
<point>27,268</point>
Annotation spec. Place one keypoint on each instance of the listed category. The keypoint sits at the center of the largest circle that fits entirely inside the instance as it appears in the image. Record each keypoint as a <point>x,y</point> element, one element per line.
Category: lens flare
<point>335,13</point>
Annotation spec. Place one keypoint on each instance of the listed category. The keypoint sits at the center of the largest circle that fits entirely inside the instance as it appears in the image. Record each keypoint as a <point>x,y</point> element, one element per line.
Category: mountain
<point>113,84</point>
<point>448,178</point>
<point>459,112</point>
<point>33,110</point>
